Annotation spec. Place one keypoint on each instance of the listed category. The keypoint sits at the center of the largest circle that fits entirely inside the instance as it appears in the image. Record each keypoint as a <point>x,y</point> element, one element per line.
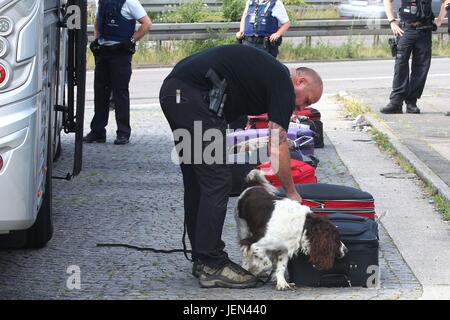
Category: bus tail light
<point>5,75</point>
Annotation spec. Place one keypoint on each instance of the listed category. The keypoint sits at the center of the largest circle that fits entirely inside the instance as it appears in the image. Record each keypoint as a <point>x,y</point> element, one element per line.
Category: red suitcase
<point>258,122</point>
<point>301,173</point>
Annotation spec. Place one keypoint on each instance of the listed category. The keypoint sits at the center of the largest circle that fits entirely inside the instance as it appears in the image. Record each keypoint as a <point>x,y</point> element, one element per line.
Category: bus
<point>42,90</point>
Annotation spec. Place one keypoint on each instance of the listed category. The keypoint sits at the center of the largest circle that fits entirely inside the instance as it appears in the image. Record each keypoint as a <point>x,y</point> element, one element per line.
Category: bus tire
<point>42,230</point>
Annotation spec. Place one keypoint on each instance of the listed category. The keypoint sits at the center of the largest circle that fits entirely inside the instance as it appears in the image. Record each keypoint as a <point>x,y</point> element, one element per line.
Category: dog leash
<point>185,251</point>
<point>264,282</point>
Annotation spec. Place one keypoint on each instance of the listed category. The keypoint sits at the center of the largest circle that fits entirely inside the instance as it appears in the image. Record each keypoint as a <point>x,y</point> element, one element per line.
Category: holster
<point>217,95</point>
<point>276,43</point>
<point>128,47</point>
<point>393,44</point>
<point>95,48</point>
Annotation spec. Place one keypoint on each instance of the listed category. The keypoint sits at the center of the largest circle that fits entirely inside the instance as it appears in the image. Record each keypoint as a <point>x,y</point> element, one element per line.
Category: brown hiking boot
<point>229,275</point>
<point>198,268</point>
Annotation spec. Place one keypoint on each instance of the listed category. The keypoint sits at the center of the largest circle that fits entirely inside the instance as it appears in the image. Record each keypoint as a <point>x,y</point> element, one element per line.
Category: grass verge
<point>170,52</point>
<point>354,107</point>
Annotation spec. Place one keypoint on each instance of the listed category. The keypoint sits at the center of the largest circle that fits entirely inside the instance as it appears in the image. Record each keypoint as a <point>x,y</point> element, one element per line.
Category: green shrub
<point>233,9</point>
<point>294,2</point>
<point>192,11</point>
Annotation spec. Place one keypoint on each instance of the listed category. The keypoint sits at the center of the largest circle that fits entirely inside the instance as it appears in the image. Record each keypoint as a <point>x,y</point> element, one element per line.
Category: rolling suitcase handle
<point>334,280</point>
<point>298,143</point>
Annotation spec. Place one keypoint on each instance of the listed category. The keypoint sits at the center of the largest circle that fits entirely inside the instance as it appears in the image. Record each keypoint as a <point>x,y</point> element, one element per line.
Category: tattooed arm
<point>281,160</point>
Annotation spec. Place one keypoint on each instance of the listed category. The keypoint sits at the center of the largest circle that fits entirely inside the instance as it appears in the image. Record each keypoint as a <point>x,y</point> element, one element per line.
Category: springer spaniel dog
<point>272,230</point>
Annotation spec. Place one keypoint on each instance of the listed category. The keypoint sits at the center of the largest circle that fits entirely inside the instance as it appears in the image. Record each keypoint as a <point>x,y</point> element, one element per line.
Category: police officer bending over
<point>206,91</point>
<point>413,33</point>
<point>262,25</point>
<point>115,43</point>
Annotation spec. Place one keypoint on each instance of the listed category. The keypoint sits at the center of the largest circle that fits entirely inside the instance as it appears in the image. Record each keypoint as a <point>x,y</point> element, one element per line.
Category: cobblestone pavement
<point>133,194</point>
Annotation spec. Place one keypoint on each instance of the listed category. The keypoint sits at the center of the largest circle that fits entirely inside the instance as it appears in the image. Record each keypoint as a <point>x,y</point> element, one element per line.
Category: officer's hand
<point>294,196</point>
<point>239,34</point>
<point>274,37</point>
<point>437,22</point>
<point>398,32</point>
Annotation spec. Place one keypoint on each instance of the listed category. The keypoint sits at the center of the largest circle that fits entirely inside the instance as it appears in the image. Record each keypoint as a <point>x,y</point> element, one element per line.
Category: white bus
<point>42,85</point>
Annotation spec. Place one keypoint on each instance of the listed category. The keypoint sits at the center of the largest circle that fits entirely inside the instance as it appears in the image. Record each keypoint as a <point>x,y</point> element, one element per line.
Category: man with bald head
<point>213,88</point>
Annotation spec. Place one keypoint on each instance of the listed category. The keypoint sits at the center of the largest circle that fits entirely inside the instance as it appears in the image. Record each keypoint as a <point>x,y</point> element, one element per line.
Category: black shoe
<point>412,108</point>
<point>93,137</point>
<point>121,140</point>
<point>391,109</point>
<point>229,275</point>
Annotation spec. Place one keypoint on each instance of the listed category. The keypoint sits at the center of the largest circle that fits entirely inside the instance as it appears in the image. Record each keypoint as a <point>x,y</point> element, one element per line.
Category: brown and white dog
<point>272,230</point>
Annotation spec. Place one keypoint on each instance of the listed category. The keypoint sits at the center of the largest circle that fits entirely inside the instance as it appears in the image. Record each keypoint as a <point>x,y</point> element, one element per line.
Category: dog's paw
<point>285,286</point>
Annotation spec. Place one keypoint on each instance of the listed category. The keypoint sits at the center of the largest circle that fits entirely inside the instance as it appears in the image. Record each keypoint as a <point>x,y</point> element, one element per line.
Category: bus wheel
<point>42,230</point>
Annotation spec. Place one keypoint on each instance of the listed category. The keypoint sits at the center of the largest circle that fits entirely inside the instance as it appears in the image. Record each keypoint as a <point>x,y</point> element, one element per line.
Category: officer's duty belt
<point>255,39</point>
<point>417,25</point>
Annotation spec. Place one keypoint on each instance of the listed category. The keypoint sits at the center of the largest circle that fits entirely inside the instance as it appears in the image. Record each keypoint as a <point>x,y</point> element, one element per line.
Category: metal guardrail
<point>164,5</point>
<point>306,28</point>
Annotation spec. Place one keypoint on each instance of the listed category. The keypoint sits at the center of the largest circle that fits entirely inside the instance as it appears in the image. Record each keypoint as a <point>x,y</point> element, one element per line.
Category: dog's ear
<point>324,242</point>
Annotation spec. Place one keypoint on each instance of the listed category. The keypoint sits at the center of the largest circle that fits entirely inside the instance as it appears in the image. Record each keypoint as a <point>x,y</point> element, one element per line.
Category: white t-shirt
<point>132,9</point>
<point>278,11</point>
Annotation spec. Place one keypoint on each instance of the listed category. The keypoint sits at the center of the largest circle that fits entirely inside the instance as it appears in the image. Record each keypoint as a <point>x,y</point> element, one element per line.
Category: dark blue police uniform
<point>259,25</point>
<point>113,68</point>
<point>417,22</point>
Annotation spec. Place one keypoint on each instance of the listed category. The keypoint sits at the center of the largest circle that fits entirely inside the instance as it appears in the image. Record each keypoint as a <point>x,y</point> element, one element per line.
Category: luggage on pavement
<point>326,199</point>
<point>309,116</point>
<point>302,137</point>
<point>358,268</point>
<point>316,126</point>
<point>301,173</point>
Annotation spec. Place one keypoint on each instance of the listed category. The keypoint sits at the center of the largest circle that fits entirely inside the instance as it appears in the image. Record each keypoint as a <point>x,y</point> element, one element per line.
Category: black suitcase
<point>317,125</point>
<point>359,267</point>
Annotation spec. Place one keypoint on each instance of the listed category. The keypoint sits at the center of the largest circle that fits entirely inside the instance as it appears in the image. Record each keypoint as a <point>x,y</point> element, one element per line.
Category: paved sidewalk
<point>426,135</point>
<point>416,228</point>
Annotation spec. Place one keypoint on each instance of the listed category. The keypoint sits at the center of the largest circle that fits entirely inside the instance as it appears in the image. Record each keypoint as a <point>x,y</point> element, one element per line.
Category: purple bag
<point>302,137</point>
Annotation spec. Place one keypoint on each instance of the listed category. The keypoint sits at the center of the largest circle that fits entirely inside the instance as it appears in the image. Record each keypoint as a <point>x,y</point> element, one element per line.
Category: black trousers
<point>409,87</point>
<point>272,49</point>
<point>206,185</point>
<point>112,74</point>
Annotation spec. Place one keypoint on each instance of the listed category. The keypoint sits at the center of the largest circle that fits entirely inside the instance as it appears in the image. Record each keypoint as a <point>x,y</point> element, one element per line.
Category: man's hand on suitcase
<point>294,196</point>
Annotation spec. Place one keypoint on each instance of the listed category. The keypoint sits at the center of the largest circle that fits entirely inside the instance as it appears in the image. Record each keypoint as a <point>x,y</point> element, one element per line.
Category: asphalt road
<point>337,76</point>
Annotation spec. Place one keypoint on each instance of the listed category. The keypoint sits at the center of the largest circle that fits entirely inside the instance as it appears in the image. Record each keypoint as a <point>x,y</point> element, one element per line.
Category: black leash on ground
<point>185,251</point>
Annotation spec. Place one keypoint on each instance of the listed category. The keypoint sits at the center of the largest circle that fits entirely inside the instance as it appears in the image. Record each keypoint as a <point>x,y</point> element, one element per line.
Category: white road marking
<point>438,75</point>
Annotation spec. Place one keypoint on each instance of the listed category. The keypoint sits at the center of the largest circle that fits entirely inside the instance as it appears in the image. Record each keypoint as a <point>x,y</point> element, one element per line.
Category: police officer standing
<point>113,48</point>
<point>263,24</point>
<point>413,33</point>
